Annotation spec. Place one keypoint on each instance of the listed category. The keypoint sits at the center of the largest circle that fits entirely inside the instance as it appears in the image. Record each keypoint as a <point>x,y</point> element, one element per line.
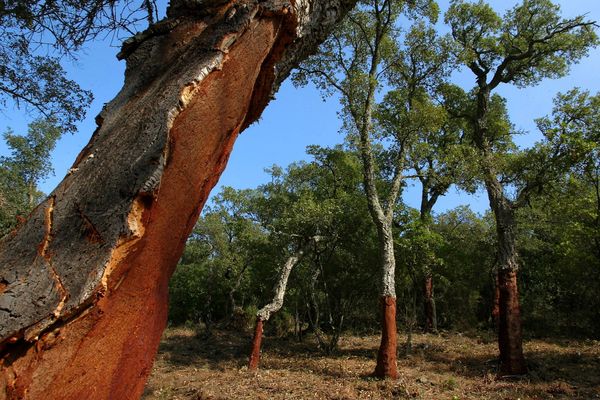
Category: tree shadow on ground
<point>559,373</point>
<point>215,350</point>
<point>563,371</point>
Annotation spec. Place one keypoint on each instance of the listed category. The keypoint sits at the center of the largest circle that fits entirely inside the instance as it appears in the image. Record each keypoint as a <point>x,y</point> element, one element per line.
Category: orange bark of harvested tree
<point>510,335</point>
<point>256,343</point>
<point>386,356</point>
<point>84,281</point>
<point>430,311</point>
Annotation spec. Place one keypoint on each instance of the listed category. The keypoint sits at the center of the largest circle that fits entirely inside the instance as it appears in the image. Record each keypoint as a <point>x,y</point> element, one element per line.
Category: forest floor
<point>448,366</point>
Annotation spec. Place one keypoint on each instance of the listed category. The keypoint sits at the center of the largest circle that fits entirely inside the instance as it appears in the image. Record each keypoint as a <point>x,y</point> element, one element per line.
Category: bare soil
<point>448,366</point>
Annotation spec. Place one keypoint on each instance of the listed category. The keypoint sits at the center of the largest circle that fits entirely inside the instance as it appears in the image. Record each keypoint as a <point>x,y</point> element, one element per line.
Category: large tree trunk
<point>83,283</point>
<point>510,338</point>
<point>386,356</point>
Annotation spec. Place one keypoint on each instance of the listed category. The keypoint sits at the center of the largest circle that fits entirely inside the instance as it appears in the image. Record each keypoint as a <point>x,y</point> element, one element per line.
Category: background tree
<point>530,43</point>
<point>433,142</point>
<point>560,260</point>
<point>355,61</point>
<point>21,172</point>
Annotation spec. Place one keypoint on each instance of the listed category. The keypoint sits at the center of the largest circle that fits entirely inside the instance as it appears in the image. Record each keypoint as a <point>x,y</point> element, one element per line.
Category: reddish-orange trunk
<point>510,340</point>
<point>430,324</point>
<point>107,352</point>
<point>256,342</point>
<point>386,357</point>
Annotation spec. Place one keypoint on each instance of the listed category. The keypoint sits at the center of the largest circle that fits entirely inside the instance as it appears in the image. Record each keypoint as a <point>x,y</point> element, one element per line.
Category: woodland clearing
<point>449,366</point>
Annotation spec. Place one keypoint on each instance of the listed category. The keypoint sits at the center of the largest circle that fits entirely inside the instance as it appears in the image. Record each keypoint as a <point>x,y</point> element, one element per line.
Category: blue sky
<point>299,117</point>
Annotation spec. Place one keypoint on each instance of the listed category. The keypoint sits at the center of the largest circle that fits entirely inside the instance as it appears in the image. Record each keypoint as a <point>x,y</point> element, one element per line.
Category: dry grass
<point>445,367</point>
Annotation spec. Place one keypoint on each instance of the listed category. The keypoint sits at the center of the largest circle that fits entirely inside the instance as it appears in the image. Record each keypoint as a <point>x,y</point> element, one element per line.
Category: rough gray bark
<point>84,280</point>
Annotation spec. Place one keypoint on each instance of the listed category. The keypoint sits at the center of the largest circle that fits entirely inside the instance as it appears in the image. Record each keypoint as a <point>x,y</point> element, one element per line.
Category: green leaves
<point>20,173</point>
<point>531,42</point>
<point>35,35</point>
<point>475,28</point>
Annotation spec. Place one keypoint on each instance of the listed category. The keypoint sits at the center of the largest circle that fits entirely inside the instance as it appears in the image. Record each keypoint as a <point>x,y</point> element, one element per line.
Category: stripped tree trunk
<point>430,310</point>
<point>275,305</point>
<point>256,344</point>
<point>386,356</point>
<point>83,293</point>
<point>510,338</point>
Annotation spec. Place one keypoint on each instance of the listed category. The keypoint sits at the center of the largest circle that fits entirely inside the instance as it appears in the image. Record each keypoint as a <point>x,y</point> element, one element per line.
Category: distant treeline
<point>240,243</point>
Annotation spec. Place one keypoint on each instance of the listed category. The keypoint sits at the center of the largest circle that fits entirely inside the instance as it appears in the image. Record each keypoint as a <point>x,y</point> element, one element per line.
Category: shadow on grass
<point>565,368</point>
<point>216,350</point>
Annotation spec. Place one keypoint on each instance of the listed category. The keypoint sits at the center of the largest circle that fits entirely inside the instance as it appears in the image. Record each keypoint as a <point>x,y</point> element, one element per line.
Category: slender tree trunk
<point>386,356</point>
<point>256,343</point>
<point>30,194</point>
<point>83,299</point>
<point>512,361</point>
<point>430,310</point>
<point>275,305</point>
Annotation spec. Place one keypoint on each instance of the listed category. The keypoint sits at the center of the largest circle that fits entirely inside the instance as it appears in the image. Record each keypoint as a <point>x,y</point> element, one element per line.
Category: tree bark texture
<point>256,343</point>
<point>83,299</point>
<point>386,357</point>
<point>496,302</point>
<point>509,325</point>
<point>430,311</point>
<point>510,338</point>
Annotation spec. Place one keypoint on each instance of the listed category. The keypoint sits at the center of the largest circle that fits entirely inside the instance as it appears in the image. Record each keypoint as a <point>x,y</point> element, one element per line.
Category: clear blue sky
<point>299,117</point>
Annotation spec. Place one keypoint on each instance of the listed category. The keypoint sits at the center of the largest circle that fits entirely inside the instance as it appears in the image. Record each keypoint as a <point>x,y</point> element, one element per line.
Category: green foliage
<point>394,86</point>
<point>529,43</point>
<point>559,238</point>
<point>21,172</point>
<point>34,35</point>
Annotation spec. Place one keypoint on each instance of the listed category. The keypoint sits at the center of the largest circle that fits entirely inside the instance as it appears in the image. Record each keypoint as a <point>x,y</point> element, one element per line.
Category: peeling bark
<point>85,278</point>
